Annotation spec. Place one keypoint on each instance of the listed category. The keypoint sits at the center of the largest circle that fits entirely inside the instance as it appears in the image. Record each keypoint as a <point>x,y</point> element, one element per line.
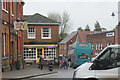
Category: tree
<point>87,28</point>
<point>80,29</point>
<point>64,21</point>
<point>97,26</point>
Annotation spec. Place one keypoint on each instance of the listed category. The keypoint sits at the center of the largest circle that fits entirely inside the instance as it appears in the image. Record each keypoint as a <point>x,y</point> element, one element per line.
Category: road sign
<point>20,25</point>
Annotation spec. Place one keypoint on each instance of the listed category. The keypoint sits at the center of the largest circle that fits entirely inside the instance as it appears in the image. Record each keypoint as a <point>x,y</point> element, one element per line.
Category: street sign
<point>20,25</point>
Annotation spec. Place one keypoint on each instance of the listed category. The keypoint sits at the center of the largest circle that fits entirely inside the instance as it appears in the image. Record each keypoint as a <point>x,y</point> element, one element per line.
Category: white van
<point>104,66</point>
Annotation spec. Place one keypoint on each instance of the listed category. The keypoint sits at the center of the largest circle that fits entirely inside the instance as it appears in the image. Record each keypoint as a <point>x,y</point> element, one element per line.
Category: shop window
<point>49,53</point>
<point>29,53</point>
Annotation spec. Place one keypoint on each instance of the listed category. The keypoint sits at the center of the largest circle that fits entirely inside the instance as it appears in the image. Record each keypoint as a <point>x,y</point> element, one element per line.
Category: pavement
<point>27,72</point>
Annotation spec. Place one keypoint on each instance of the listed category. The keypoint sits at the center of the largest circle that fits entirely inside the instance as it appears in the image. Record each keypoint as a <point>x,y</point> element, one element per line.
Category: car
<point>105,66</point>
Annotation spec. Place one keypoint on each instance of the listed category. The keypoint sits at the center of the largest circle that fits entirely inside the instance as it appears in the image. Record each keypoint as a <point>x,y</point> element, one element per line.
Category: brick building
<point>11,11</point>
<point>100,40</point>
<point>40,38</point>
<point>71,38</point>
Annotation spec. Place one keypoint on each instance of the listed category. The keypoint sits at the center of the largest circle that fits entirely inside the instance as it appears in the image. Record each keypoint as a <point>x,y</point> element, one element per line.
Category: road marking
<point>44,76</point>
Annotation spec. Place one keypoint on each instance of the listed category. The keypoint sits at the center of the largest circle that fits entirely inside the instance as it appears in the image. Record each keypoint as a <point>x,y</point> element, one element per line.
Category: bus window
<point>83,45</point>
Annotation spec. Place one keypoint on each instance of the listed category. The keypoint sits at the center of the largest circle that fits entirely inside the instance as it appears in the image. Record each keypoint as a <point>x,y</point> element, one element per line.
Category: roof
<point>69,37</point>
<point>38,19</point>
<point>83,35</point>
<point>101,33</point>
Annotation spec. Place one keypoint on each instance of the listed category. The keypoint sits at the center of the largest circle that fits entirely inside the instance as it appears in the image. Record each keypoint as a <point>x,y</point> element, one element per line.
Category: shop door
<point>39,53</point>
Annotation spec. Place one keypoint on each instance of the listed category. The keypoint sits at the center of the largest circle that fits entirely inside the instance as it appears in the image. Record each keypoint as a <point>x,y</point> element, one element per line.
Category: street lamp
<point>113,14</point>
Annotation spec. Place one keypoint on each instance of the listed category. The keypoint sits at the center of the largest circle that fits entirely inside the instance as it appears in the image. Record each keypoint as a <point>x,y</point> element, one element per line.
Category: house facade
<point>11,50</point>
<point>41,38</point>
<point>64,44</point>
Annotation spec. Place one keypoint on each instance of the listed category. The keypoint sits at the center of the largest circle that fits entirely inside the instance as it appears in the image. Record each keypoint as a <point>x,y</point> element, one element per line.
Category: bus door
<point>39,53</point>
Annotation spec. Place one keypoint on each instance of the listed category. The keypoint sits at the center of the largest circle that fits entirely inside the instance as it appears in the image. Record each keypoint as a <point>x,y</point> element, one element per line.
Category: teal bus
<point>80,52</point>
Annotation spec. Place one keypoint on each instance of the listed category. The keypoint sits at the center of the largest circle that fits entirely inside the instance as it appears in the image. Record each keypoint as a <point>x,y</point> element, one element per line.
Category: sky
<point>81,12</point>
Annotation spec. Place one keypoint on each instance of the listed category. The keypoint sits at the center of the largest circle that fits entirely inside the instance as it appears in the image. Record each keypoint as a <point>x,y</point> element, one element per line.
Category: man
<point>41,62</point>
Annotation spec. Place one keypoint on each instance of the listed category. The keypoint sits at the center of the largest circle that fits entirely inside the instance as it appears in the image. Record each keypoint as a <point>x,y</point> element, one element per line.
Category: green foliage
<point>80,28</point>
<point>97,26</point>
<point>87,28</point>
<point>62,36</point>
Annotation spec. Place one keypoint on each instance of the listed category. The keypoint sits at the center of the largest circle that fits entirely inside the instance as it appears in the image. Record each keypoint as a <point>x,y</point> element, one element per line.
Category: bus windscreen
<point>83,45</point>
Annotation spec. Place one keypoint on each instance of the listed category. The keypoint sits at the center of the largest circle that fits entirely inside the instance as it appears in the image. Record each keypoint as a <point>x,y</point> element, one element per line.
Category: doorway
<point>39,53</point>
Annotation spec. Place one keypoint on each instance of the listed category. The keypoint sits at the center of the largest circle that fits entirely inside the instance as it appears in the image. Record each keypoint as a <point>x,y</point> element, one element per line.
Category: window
<point>4,45</point>
<point>96,46</point>
<point>109,59</point>
<point>12,8</point>
<point>46,33</point>
<point>5,5</point>
<point>29,53</point>
<point>101,46</point>
<point>92,47</point>
<point>31,33</point>
<point>49,53</point>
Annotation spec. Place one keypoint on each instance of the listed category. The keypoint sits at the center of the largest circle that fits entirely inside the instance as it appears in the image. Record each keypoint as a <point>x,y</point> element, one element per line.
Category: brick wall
<point>54,34</point>
<point>99,39</point>
<point>13,36</point>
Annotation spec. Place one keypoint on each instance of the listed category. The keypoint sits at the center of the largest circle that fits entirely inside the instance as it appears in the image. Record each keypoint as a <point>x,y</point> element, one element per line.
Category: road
<point>62,74</point>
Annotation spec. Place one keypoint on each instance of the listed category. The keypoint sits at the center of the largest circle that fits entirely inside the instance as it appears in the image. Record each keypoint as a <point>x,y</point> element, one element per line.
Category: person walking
<point>69,62</point>
<point>41,62</point>
<point>63,62</point>
<point>60,64</point>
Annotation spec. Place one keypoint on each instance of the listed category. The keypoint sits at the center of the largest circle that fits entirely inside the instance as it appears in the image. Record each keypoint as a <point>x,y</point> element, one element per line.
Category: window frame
<point>49,33</point>
<point>4,6</point>
<point>28,33</point>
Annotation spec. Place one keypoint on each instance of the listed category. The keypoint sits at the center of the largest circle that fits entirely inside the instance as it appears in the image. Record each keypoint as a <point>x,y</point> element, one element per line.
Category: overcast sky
<point>82,12</point>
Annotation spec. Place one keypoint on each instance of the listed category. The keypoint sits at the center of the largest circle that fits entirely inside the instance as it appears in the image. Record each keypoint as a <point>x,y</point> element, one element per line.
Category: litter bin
<point>17,65</point>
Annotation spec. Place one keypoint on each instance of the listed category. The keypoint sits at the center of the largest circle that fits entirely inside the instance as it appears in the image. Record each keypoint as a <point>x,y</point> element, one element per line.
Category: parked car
<point>104,66</point>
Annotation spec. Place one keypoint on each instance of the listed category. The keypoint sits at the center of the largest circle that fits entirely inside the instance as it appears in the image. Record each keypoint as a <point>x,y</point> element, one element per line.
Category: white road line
<point>44,76</point>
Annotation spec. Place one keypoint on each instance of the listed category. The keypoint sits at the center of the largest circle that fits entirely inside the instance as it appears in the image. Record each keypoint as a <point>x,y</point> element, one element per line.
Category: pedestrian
<point>63,61</point>
<point>41,61</point>
<point>60,64</point>
<point>69,62</point>
<point>66,63</point>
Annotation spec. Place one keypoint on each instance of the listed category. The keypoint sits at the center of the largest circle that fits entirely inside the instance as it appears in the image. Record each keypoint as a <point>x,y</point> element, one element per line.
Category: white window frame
<point>28,33</point>
<point>92,47</point>
<point>12,8</point>
<point>46,37</point>
<point>4,45</point>
<point>101,47</point>
<point>4,9</point>
<point>96,46</point>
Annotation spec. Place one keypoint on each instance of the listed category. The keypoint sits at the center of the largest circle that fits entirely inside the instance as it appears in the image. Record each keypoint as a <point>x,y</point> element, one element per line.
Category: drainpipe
<point>9,40</point>
<point>0,39</point>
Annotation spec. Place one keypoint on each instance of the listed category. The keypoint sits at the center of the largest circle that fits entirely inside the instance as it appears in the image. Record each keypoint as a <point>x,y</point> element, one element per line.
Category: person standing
<point>41,62</point>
